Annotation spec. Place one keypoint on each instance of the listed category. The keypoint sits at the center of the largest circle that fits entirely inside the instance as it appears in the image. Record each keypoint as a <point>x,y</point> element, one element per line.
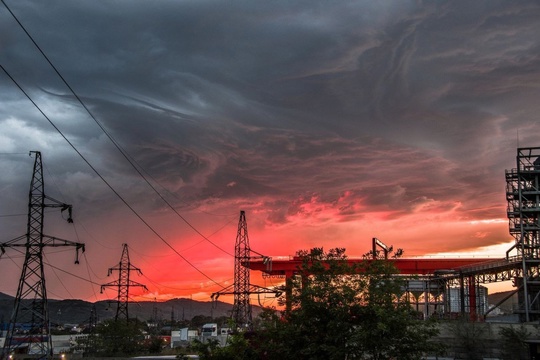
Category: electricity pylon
<point>242,288</point>
<point>30,310</point>
<point>123,283</point>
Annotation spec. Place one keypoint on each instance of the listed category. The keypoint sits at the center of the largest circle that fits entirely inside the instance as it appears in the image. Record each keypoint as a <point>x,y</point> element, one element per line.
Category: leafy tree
<point>336,310</point>
<point>238,348</point>
<point>200,320</point>
<point>154,345</point>
<point>117,338</point>
<point>469,338</point>
<point>513,342</point>
<point>340,310</point>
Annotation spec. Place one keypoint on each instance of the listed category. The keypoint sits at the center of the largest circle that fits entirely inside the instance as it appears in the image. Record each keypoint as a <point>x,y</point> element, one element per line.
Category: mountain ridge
<point>77,311</point>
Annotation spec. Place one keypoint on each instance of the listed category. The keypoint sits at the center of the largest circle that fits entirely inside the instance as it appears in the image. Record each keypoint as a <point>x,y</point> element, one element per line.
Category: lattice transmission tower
<point>242,288</point>
<point>123,283</point>
<point>30,309</point>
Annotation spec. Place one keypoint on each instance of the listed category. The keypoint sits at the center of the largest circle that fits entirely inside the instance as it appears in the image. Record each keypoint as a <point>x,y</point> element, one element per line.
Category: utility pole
<point>154,319</point>
<point>123,283</point>
<point>90,344</point>
<point>242,288</point>
<point>31,308</point>
<point>155,311</point>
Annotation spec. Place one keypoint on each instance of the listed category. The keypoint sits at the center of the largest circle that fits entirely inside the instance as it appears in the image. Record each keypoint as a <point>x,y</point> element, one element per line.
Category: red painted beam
<point>405,266</point>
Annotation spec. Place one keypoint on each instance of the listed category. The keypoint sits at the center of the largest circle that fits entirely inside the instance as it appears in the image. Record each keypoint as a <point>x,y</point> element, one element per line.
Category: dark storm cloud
<point>295,107</point>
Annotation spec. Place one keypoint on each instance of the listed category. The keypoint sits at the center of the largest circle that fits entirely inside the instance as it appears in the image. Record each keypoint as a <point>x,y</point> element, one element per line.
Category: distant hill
<point>508,304</point>
<point>5,297</point>
<point>78,311</point>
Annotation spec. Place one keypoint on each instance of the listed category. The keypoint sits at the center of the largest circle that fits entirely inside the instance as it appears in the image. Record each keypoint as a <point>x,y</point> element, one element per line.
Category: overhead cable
<point>116,144</point>
<point>105,181</point>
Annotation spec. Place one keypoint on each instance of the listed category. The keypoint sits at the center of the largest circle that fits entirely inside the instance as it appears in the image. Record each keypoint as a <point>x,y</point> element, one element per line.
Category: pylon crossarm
<point>110,284</point>
<point>57,242</point>
<point>111,269</point>
<point>256,289</point>
<point>260,256</point>
<point>116,283</point>
<point>120,266</point>
<point>13,242</point>
<point>224,291</point>
<point>133,283</point>
<point>253,289</point>
<point>58,204</point>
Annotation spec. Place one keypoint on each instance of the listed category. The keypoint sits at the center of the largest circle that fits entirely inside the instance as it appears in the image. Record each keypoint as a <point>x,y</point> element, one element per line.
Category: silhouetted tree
<point>338,311</point>
<point>513,344</point>
<point>118,338</point>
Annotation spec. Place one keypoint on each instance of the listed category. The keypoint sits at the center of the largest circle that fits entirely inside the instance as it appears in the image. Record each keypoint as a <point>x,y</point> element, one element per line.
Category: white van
<point>210,329</point>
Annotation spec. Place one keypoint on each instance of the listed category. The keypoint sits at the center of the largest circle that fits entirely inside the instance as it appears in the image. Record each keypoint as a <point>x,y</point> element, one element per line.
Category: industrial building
<point>454,285</point>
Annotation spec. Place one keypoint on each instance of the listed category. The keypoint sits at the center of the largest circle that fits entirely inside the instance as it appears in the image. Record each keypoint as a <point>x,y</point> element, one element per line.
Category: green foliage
<point>468,337</point>
<point>340,310</point>
<point>199,320</point>
<point>513,344</point>
<point>154,345</point>
<point>336,311</point>
<point>117,338</point>
<point>237,348</point>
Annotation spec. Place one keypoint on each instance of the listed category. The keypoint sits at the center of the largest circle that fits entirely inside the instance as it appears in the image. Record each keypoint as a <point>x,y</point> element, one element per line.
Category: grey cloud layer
<point>404,106</point>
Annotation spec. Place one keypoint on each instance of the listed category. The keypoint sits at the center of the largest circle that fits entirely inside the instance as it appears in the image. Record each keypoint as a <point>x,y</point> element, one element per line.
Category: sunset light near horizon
<point>328,123</point>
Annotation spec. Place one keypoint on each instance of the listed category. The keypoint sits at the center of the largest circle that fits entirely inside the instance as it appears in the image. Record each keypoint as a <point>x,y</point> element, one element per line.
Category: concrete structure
<point>183,337</point>
<point>454,300</point>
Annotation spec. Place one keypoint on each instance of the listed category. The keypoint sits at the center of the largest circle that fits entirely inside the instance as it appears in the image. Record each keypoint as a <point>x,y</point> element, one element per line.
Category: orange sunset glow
<point>328,125</point>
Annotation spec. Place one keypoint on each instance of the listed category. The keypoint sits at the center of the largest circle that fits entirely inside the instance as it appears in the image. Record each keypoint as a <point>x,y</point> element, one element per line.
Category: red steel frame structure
<point>433,272</point>
<point>438,274</point>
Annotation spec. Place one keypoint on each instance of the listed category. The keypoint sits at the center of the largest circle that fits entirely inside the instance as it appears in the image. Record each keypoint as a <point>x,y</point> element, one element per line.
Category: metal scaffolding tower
<point>242,289</point>
<point>29,327</point>
<point>523,196</point>
<point>123,283</point>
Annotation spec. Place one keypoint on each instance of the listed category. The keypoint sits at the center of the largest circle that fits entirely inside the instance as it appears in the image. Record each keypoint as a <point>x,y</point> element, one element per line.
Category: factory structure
<point>448,286</point>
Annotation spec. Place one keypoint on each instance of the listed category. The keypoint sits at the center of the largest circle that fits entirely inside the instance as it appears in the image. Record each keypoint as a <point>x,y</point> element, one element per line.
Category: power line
<point>54,267</point>
<point>124,153</point>
<point>89,276</point>
<point>12,215</point>
<point>105,181</point>
<point>177,288</point>
<point>59,280</point>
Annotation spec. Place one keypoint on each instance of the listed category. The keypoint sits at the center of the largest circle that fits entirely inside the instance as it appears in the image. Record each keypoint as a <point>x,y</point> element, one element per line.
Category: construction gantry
<point>434,279</point>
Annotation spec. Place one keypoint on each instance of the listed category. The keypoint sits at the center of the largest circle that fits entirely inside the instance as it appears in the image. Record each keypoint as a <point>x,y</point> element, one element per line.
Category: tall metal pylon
<point>242,288</point>
<point>29,324</point>
<point>123,283</point>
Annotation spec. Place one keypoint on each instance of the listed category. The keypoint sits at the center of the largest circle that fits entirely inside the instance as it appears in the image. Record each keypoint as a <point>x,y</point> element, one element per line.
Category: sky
<point>328,122</point>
